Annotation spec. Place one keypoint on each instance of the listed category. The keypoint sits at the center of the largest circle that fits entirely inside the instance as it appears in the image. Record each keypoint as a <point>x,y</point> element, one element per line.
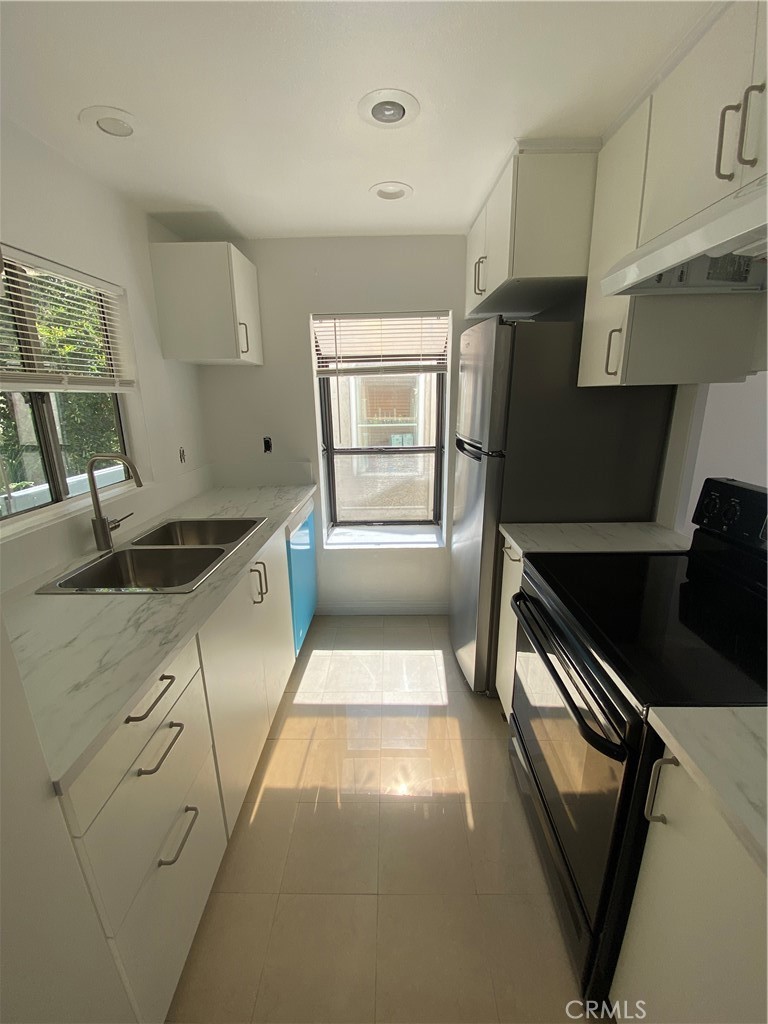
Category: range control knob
<point>711,505</point>
<point>731,512</point>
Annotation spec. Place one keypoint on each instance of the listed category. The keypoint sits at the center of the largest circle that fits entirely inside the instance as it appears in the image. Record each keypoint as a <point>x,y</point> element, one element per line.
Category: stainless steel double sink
<point>173,558</point>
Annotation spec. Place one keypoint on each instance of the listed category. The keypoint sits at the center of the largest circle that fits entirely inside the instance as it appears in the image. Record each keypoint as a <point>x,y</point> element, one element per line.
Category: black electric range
<point>601,638</point>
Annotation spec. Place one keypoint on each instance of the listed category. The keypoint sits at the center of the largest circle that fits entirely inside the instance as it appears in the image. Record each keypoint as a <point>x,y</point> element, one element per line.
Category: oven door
<point>574,757</point>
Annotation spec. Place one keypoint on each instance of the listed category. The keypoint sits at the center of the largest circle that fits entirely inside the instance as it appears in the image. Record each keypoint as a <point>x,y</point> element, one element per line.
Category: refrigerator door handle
<point>474,451</point>
<point>469,450</point>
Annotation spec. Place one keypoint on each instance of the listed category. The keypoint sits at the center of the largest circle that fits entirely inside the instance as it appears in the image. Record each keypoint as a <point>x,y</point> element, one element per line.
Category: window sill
<point>27,522</point>
<point>363,537</point>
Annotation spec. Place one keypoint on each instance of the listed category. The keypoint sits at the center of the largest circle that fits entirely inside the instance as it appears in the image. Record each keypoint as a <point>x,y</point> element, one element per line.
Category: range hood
<point>718,251</point>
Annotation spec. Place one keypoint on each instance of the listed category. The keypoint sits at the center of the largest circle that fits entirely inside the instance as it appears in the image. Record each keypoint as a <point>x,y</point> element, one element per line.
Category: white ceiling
<point>247,117</point>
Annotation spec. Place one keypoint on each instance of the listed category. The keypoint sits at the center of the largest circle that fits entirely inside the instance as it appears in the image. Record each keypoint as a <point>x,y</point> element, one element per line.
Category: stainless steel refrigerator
<point>533,447</point>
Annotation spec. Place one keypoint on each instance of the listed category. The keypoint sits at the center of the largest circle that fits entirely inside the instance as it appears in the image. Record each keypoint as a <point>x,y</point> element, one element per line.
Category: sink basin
<point>141,571</point>
<point>197,532</point>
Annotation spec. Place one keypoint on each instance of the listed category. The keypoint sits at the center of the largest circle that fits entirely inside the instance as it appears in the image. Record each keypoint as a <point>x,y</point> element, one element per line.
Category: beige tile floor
<point>381,869</point>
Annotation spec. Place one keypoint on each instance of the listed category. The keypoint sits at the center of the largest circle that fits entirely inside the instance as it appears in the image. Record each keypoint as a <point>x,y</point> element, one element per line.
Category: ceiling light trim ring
<point>111,121</point>
<point>391,190</point>
<point>394,98</point>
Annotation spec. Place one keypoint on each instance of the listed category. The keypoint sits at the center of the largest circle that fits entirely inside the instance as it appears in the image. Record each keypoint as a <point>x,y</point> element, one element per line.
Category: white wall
<point>56,210</point>
<point>298,277</point>
<point>732,441</point>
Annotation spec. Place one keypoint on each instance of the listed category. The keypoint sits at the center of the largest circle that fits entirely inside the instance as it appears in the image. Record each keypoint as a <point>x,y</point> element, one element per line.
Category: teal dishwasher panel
<point>302,569</point>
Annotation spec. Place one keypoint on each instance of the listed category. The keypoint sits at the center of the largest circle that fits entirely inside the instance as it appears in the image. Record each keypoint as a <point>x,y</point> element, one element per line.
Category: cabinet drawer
<point>123,840</point>
<point>155,938</point>
<point>91,790</point>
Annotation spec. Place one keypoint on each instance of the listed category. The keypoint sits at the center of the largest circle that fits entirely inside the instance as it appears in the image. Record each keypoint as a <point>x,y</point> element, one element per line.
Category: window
<point>381,382</point>
<point>62,362</point>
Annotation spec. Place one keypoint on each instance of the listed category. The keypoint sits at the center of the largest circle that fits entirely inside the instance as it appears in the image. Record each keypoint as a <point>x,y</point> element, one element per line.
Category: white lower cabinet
<point>246,649</point>
<point>275,621</point>
<point>695,945</point>
<point>121,842</point>
<point>233,665</point>
<point>155,937</point>
<point>511,580</point>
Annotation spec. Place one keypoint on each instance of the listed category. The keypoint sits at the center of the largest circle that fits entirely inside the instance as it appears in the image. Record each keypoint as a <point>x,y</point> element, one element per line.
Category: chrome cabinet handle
<point>155,702</point>
<point>266,578</point>
<point>168,749</point>
<point>195,813</point>
<point>475,283</point>
<point>611,373</point>
<point>743,126</point>
<point>243,351</point>
<point>262,591</point>
<point>735,107</point>
<point>480,262</point>
<point>653,785</point>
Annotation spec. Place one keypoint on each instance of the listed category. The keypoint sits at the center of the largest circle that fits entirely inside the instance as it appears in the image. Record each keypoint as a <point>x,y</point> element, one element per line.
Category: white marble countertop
<point>86,659</point>
<point>566,537</point>
<point>724,751</point>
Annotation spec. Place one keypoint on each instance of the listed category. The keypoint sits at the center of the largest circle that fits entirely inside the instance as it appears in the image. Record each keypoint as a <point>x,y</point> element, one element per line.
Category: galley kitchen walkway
<point>381,868</point>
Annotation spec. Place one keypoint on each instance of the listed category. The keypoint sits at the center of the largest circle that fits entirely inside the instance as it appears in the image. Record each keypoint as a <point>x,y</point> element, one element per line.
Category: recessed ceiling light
<point>109,120</point>
<point>388,108</point>
<point>391,190</point>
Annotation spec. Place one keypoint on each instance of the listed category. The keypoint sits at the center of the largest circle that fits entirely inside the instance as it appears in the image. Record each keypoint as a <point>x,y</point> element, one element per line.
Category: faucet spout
<point>102,525</point>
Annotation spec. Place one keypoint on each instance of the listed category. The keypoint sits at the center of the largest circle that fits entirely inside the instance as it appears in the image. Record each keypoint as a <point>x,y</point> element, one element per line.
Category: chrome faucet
<point>103,525</point>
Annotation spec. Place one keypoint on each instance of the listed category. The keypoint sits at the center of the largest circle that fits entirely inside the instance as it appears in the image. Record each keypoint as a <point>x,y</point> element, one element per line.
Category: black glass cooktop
<point>673,641</point>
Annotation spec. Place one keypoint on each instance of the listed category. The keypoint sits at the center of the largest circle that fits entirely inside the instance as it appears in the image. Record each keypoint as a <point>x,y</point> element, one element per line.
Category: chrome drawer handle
<point>195,813</point>
<point>611,373</point>
<point>153,705</point>
<point>735,107</point>
<point>653,785</point>
<point>168,749</point>
<point>247,349</point>
<point>743,126</point>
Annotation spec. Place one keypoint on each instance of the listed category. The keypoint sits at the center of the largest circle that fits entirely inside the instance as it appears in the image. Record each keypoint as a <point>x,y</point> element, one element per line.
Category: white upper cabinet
<point>534,227</point>
<point>693,153</point>
<point>475,253</point>
<point>752,149</point>
<point>618,201</point>
<point>675,339</point>
<point>207,303</point>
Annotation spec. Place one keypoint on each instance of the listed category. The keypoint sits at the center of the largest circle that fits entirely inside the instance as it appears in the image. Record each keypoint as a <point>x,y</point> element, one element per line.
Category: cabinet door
<point>507,650</point>
<point>498,230</point>
<point>273,619</point>
<point>158,931</point>
<point>475,252</point>
<point>554,196</point>
<point>695,947</point>
<point>757,106</point>
<point>245,296</point>
<point>688,108</point>
<point>618,200</point>
<point>230,652</point>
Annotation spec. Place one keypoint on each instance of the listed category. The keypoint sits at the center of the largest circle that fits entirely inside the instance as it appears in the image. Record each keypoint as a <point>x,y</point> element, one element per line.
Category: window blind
<point>60,330</point>
<point>415,343</point>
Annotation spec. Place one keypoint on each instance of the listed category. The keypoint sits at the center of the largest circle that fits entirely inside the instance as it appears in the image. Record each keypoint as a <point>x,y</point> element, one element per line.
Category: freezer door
<point>477,491</point>
<point>484,362</point>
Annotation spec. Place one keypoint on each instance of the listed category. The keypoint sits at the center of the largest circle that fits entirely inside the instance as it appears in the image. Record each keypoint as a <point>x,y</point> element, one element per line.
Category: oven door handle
<point>601,743</point>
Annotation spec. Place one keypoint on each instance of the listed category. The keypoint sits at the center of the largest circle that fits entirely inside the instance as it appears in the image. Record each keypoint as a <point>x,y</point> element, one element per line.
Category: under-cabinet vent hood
<point>721,250</point>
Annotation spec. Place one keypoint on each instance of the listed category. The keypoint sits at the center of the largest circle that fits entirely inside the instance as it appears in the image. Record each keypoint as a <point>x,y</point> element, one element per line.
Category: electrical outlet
<point>182,455</point>
<point>267,445</point>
